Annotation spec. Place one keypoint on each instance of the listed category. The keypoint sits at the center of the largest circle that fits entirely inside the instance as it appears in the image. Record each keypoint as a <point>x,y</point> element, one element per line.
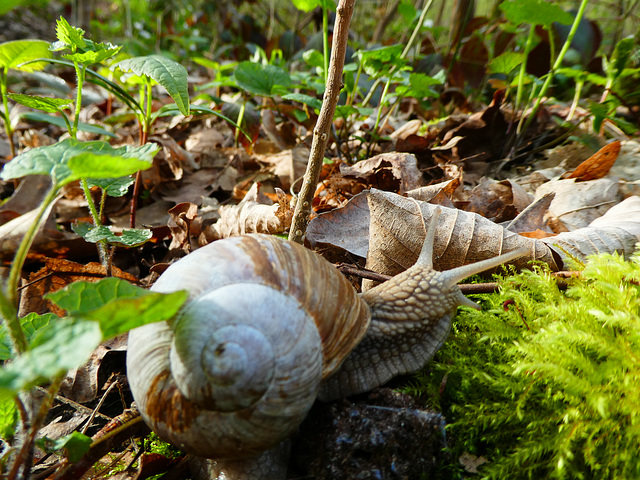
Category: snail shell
<point>240,366</point>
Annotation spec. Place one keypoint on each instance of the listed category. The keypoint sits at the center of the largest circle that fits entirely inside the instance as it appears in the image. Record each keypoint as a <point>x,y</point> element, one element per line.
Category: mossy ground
<point>548,384</point>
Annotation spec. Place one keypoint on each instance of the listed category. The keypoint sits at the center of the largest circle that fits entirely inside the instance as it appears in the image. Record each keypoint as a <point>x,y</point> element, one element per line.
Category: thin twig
<point>325,119</point>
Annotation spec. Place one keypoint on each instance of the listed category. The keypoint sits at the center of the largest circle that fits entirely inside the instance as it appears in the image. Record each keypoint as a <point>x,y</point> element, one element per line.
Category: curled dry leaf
<point>390,171</point>
<point>598,164</point>
<point>577,204</point>
<point>251,216</point>
<point>618,230</point>
<point>180,224</point>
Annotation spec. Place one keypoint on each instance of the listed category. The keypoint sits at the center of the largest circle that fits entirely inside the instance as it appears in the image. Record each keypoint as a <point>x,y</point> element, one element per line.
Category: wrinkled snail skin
<point>269,327</point>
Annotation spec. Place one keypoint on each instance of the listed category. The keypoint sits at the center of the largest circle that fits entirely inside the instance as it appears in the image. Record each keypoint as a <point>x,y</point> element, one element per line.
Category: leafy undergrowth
<point>544,383</point>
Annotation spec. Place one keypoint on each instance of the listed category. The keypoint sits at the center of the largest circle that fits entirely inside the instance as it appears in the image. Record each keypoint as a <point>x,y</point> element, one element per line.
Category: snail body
<point>270,326</point>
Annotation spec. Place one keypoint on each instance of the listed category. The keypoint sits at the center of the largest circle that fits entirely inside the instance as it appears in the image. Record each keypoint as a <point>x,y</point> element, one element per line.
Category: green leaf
<point>31,323</point>
<point>115,187</point>
<point>535,12</point>
<point>93,165</point>
<point>8,5</point>
<point>75,444</point>
<point>621,56</point>
<point>419,86</point>
<point>407,10</point>
<point>313,58</point>
<point>63,345</point>
<point>117,305</point>
<point>261,79</point>
<point>313,102</point>
<point>378,61</point>
<point>171,75</point>
<point>130,237</point>
<point>8,418</point>
<point>306,5</point>
<point>505,63</point>
<point>12,54</point>
<point>51,105</point>
<point>59,122</point>
<point>56,161</point>
<point>346,110</point>
<point>71,37</point>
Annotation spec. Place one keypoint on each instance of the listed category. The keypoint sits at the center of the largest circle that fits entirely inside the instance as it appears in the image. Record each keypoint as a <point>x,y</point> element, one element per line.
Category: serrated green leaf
<point>8,418</point>
<point>379,61</point>
<point>59,122</point>
<point>75,445</point>
<point>14,53</point>
<point>70,36</point>
<point>31,323</point>
<point>130,237</point>
<point>261,79</point>
<point>51,105</point>
<point>115,187</point>
<point>505,63</point>
<point>116,304</point>
<point>60,347</point>
<point>419,86</point>
<point>535,12</point>
<point>171,75</point>
<point>56,161</point>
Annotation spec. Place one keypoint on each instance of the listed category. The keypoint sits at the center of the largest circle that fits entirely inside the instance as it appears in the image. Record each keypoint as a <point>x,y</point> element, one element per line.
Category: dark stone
<point>379,436</point>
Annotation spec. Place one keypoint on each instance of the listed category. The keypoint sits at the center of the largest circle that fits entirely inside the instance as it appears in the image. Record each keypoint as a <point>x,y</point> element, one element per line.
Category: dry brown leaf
<point>397,234</point>
<point>598,165</point>
<point>251,216</point>
<point>182,216</point>
<point>618,230</point>
<point>577,204</point>
<point>346,227</point>
<point>57,274</point>
<point>388,171</point>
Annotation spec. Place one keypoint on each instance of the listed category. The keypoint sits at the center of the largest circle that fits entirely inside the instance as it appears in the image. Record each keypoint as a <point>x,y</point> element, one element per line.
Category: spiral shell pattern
<point>240,366</point>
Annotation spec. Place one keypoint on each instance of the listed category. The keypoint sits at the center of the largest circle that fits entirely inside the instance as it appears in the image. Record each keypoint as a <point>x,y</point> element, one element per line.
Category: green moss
<point>154,444</point>
<point>550,386</point>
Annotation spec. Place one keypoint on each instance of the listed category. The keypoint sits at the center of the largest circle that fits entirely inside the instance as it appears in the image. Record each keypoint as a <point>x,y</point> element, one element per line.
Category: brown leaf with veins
<point>597,165</point>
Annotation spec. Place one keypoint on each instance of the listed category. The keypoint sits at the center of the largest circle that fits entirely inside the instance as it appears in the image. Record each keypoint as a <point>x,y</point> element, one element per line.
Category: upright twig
<point>325,119</point>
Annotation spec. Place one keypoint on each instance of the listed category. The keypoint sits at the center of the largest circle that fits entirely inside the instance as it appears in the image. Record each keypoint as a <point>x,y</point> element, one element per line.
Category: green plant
<point>40,349</point>
<point>13,55</point>
<point>547,388</point>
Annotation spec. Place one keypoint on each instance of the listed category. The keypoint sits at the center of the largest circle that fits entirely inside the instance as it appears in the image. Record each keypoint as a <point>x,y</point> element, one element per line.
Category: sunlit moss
<point>548,386</point>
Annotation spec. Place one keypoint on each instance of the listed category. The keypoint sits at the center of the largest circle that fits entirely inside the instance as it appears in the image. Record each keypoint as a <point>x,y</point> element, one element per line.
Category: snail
<point>269,327</point>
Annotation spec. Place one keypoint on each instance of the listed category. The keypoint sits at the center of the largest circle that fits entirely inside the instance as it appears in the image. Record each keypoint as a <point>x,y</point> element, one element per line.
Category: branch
<point>325,119</point>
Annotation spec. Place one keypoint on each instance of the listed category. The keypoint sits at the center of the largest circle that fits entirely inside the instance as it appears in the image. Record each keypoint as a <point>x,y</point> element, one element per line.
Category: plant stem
<point>325,118</point>
<point>325,40</point>
<point>97,220</point>
<point>5,104</point>
<point>38,420</point>
<point>11,289</point>
<point>558,62</point>
<point>523,66</point>
<point>80,74</point>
